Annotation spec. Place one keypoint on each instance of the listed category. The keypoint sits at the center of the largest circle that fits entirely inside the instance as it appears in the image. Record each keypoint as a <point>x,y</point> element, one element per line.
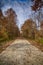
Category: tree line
<point>30,29</point>
<point>8,25</point>
<point>10,30</point>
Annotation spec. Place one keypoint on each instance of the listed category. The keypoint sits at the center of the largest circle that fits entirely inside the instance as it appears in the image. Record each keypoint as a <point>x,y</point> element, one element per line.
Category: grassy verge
<point>5,43</point>
<point>37,42</point>
<point>40,40</point>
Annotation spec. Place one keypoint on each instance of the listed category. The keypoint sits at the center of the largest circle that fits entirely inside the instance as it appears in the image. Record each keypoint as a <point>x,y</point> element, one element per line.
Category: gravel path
<point>21,52</point>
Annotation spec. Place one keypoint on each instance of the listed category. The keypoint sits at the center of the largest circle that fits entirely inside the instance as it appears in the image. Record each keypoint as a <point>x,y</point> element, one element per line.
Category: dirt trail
<point>21,52</point>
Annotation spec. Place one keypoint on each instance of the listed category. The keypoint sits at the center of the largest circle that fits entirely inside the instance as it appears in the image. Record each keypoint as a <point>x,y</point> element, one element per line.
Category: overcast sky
<point>21,7</point>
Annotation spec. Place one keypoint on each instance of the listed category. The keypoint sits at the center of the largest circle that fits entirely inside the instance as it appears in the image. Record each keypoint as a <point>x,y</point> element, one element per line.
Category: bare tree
<point>37,7</point>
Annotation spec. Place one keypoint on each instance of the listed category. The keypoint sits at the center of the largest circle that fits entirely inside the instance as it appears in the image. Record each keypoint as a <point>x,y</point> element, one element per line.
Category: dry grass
<point>5,44</point>
<point>37,43</point>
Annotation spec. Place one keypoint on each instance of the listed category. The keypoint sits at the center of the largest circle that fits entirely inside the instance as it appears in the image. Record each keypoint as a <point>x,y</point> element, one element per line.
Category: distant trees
<point>29,29</point>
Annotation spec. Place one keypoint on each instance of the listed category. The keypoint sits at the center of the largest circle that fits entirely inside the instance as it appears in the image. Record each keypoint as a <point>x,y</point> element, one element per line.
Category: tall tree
<point>8,26</point>
<point>3,34</point>
<point>41,30</point>
<point>37,7</point>
<point>11,23</point>
<point>28,29</point>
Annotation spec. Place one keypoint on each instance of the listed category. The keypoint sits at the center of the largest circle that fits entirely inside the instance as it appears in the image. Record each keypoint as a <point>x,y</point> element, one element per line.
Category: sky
<point>21,7</point>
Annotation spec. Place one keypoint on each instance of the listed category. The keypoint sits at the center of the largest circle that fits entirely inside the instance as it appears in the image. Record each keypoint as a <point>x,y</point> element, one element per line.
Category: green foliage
<point>41,40</point>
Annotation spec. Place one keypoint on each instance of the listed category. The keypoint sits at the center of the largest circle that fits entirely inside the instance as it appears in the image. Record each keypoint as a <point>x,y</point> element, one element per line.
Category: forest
<point>32,29</point>
<point>21,32</point>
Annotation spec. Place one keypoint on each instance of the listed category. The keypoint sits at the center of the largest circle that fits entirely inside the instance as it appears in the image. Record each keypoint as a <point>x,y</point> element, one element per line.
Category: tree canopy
<point>37,4</point>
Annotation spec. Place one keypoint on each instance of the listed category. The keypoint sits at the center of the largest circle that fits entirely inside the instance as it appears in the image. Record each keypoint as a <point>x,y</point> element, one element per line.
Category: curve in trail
<point>21,52</point>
